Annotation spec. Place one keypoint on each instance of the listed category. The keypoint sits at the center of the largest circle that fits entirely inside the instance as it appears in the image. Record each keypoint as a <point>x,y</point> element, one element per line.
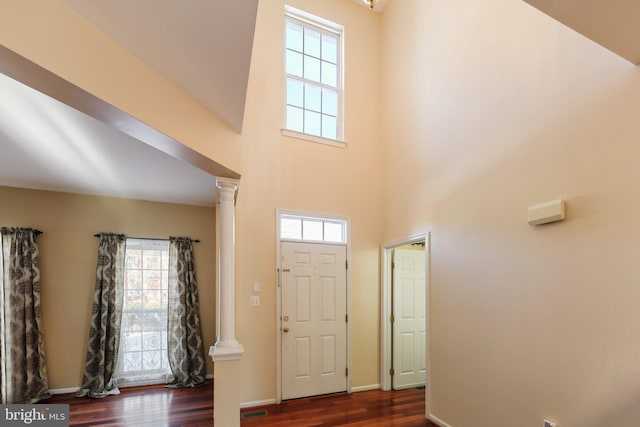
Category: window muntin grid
<point>143,355</point>
<point>294,227</point>
<point>312,65</point>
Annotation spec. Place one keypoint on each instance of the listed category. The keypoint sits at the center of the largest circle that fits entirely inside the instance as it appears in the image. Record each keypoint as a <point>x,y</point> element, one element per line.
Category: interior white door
<point>409,326</point>
<point>313,328</point>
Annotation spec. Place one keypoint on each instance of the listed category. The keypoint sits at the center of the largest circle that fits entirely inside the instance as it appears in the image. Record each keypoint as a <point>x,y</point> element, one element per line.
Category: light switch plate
<point>256,287</point>
<point>254,301</point>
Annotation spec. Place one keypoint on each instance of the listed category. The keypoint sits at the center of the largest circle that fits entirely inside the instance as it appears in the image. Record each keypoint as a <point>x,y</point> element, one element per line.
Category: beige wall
<point>68,255</point>
<point>277,171</point>
<point>489,107</point>
<point>492,107</point>
<point>291,174</point>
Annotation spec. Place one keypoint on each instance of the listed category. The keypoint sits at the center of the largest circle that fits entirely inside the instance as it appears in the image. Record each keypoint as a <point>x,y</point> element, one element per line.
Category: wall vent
<point>253,414</point>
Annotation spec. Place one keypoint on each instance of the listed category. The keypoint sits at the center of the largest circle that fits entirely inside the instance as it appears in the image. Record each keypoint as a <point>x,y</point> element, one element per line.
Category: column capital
<point>227,189</point>
<point>227,184</point>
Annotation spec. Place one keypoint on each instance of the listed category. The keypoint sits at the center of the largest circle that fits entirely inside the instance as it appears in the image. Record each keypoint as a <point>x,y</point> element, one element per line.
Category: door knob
<point>285,330</point>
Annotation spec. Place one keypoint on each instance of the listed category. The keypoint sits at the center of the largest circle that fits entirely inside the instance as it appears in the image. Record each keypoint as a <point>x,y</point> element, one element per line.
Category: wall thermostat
<point>545,213</point>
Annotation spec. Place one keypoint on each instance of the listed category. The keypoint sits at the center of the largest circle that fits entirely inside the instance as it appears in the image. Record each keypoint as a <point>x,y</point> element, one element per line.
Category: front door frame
<point>386,309</point>
<point>279,213</point>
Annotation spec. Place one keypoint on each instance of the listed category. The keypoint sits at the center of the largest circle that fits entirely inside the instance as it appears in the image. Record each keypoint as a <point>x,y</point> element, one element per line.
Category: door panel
<point>314,329</point>
<point>409,327</point>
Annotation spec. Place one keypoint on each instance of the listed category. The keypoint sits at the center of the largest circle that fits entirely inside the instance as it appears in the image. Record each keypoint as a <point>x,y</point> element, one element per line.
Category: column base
<point>226,393</point>
<point>223,351</point>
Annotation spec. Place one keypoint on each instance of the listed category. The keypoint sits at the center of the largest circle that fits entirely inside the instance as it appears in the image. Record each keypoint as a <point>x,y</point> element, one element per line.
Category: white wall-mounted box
<point>545,213</point>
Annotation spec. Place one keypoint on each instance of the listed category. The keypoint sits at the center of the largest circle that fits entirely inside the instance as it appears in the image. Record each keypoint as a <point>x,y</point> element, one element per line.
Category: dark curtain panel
<point>186,355</point>
<point>104,334</point>
<point>22,353</point>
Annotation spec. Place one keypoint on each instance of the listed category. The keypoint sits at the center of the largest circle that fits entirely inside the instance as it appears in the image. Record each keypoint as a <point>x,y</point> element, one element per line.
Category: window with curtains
<point>145,321</point>
<point>143,335</point>
<point>313,69</point>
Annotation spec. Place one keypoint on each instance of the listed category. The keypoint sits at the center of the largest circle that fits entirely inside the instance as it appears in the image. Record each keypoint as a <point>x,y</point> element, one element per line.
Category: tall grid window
<point>143,338</point>
<point>313,52</point>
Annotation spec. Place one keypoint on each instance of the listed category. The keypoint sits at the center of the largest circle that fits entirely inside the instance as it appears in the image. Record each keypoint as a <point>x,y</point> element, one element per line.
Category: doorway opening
<point>312,305</point>
<point>404,313</point>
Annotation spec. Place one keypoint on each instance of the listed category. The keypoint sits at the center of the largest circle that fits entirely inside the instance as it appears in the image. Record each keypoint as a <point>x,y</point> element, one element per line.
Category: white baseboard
<point>438,421</point>
<point>257,403</point>
<point>64,390</point>
<point>365,388</point>
<point>74,389</point>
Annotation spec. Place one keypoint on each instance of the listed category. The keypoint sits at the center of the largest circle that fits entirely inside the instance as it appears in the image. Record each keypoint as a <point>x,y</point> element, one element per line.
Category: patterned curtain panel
<point>186,354</point>
<point>22,356</point>
<point>104,334</point>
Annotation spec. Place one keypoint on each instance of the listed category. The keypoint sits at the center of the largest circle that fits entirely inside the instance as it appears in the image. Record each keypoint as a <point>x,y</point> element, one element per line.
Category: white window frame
<point>142,377</point>
<point>324,25</point>
<point>313,218</point>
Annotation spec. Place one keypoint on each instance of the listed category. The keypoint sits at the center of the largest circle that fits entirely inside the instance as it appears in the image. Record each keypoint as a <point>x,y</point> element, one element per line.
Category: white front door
<point>313,327</point>
<point>409,326</point>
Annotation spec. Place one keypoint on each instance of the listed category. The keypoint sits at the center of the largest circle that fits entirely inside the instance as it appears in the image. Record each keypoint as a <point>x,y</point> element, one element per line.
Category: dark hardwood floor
<point>163,407</point>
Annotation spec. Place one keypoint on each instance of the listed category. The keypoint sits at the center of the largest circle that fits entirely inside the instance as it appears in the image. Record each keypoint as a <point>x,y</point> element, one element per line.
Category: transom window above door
<point>312,229</point>
<point>313,69</point>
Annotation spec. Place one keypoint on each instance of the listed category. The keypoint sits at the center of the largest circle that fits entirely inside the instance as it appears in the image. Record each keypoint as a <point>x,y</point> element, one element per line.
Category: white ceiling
<point>48,145</point>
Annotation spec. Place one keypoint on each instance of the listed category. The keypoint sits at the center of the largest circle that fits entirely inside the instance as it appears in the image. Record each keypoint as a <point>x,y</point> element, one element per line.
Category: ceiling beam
<point>44,81</point>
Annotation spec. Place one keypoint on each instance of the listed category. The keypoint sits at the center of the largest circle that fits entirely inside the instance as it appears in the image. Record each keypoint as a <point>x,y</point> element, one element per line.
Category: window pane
<point>329,127</point>
<point>143,355</point>
<point>133,279</point>
<point>133,342</point>
<point>132,361</point>
<point>294,92</point>
<point>134,259</point>
<point>151,300</point>
<point>152,260</point>
<point>165,259</point>
<point>312,68</point>
<point>151,279</point>
<point>133,299</point>
<point>295,119</point>
<point>151,360</point>
<point>329,74</point>
<point>294,63</point>
<point>312,230</point>
<point>290,228</point>
<point>330,102</point>
<point>312,42</point>
<point>313,77</point>
<point>330,48</point>
<point>294,36</point>
<point>312,97</point>
<point>312,123</point>
<point>333,232</point>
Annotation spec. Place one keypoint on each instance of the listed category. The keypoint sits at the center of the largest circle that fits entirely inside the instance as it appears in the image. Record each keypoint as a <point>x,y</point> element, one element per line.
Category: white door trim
<point>386,310</point>
<point>280,212</point>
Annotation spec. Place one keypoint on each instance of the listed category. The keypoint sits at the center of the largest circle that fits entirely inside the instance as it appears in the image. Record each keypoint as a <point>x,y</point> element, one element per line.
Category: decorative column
<point>227,347</point>
<point>227,351</point>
